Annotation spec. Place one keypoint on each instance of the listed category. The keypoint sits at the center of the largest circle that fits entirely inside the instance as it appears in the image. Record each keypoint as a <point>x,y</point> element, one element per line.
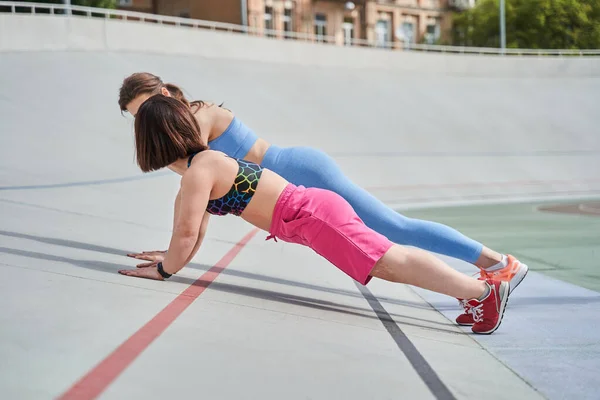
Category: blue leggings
<point>310,167</point>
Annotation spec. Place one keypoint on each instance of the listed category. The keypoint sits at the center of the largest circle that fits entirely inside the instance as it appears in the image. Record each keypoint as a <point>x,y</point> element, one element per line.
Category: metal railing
<point>92,12</point>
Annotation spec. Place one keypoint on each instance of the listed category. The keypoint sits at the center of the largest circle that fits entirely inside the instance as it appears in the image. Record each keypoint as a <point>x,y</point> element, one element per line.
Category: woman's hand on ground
<point>147,273</point>
<point>148,264</point>
<point>154,256</point>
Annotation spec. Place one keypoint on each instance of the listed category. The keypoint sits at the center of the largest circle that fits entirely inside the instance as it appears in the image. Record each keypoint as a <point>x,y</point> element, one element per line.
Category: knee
<point>392,217</point>
<point>408,223</point>
<point>389,267</point>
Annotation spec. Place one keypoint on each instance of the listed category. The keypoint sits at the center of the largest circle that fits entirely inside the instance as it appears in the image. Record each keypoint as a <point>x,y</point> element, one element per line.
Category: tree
<point>96,3</point>
<point>534,24</point>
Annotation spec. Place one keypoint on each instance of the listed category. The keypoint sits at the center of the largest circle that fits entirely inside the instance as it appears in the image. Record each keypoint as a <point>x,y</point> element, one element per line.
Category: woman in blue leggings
<point>310,167</point>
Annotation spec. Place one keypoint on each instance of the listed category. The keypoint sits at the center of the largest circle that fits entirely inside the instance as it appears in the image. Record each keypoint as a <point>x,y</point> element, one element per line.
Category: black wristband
<point>162,272</point>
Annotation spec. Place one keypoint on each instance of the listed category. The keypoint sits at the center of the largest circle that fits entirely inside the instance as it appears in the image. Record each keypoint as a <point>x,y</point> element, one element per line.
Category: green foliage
<point>96,3</point>
<point>534,24</point>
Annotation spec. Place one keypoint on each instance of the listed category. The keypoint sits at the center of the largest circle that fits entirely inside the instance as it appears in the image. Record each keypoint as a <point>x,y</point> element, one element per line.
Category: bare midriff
<point>257,151</point>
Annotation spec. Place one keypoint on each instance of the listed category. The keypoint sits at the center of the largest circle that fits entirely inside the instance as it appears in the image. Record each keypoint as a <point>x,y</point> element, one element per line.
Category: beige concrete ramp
<point>251,319</point>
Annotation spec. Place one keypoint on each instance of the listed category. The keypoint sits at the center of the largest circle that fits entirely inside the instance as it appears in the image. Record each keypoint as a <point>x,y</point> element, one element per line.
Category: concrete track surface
<point>252,319</point>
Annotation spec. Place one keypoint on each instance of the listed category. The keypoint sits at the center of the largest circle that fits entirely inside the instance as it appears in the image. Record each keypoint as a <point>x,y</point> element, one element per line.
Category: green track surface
<point>564,246</point>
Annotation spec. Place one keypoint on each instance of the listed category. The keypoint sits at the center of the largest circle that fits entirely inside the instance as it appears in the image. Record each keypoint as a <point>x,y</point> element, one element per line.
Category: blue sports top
<point>236,141</point>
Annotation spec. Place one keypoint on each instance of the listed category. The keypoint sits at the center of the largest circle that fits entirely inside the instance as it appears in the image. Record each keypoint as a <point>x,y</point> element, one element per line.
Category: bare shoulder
<point>200,168</point>
<point>213,157</point>
<point>208,163</point>
<point>205,107</point>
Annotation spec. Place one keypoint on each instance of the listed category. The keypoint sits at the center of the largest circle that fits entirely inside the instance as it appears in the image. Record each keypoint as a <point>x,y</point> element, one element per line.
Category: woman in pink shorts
<point>168,135</point>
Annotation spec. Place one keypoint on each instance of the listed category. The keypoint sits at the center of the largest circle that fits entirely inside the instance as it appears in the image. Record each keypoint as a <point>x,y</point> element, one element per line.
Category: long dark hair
<point>165,131</point>
<point>147,83</point>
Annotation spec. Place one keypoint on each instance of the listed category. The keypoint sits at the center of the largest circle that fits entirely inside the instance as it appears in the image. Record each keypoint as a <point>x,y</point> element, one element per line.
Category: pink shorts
<point>325,222</point>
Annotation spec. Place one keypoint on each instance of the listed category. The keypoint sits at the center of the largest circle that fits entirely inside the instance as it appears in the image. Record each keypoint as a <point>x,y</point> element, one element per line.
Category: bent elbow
<point>188,233</point>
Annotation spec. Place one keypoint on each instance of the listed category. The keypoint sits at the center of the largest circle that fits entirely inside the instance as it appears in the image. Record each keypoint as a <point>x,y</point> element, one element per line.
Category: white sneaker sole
<point>519,276</point>
<point>503,303</point>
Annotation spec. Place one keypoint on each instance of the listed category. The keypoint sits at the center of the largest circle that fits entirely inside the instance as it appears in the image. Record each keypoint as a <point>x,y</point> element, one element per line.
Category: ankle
<point>479,291</point>
<point>489,258</point>
<point>485,293</point>
<point>500,265</point>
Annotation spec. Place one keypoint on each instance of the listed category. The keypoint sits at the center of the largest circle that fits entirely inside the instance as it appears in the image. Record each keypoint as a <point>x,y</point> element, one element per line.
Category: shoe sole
<point>518,278</point>
<point>502,308</point>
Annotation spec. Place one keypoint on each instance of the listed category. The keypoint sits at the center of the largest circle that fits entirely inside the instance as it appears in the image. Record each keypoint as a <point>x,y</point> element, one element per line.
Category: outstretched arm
<point>201,235</point>
<point>176,210</point>
<point>159,255</point>
<point>189,226</point>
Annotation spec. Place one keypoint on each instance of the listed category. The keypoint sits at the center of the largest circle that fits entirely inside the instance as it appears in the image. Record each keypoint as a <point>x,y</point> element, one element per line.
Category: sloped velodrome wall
<point>413,128</point>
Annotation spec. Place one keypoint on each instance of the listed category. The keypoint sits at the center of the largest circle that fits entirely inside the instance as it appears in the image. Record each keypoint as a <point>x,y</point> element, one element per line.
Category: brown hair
<point>165,131</point>
<point>147,83</point>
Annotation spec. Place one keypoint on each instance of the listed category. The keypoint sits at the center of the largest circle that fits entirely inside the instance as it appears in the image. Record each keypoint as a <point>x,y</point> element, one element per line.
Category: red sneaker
<point>465,319</point>
<point>488,312</point>
<point>514,272</point>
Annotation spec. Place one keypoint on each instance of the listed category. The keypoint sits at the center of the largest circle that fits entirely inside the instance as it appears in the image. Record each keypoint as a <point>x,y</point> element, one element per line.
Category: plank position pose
<point>168,135</point>
<point>312,168</point>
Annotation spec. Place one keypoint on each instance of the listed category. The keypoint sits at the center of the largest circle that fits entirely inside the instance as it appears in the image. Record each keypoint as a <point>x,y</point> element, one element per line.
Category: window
<point>320,27</point>
<point>269,23</point>
<point>348,27</point>
<point>125,3</point>
<point>408,32</point>
<point>287,20</point>
<point>433,32</point>
<point>382,32</point>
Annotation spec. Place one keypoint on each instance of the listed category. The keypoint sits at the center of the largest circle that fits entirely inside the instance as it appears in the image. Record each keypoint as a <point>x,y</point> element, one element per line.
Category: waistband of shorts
<point>285,195</point>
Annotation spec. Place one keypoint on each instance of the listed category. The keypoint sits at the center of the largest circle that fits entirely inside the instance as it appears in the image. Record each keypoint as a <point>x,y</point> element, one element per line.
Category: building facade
<point>381,22</point>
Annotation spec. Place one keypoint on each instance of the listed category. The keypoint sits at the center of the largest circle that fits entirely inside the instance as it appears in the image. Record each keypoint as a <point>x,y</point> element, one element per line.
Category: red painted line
<point>102,375</point>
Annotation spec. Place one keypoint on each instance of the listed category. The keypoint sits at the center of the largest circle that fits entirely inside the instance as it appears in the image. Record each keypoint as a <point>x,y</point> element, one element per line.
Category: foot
<point>514,273</point>
<point>466,318</point>
<point>488,312</point>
